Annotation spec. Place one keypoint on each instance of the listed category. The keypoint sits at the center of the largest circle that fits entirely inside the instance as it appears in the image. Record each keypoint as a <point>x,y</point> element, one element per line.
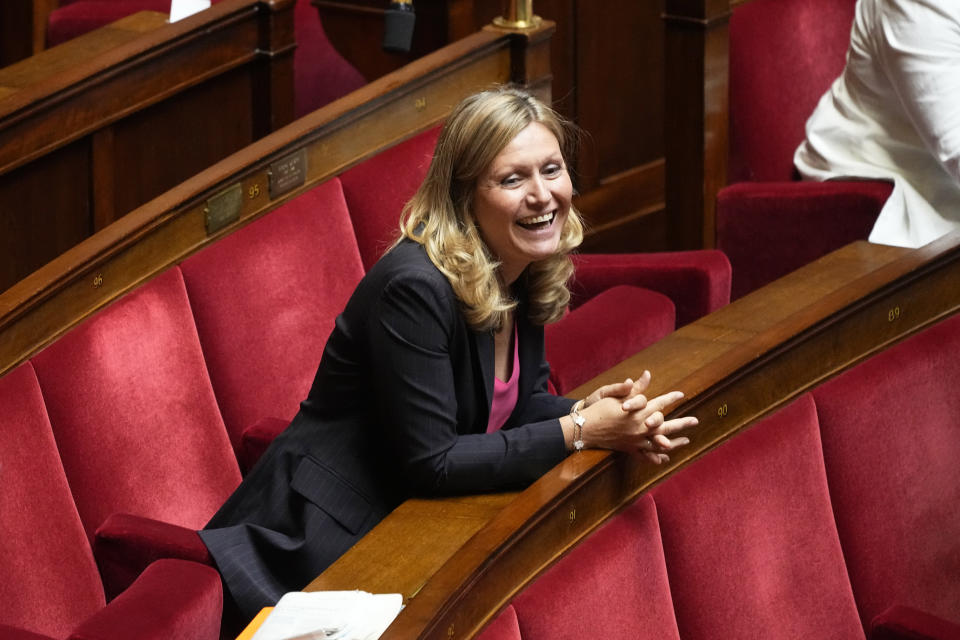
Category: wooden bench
<point>96,127</point>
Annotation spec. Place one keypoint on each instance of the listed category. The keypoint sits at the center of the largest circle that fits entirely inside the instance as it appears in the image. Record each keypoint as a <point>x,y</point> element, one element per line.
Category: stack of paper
<point>330,615</point>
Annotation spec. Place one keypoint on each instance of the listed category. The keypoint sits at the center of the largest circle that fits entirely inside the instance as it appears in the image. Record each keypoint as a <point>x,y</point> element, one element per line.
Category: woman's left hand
<point>625,390</point>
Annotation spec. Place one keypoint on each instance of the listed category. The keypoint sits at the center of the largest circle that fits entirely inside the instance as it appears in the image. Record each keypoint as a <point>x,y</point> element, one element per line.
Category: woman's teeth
<point>536,220</point>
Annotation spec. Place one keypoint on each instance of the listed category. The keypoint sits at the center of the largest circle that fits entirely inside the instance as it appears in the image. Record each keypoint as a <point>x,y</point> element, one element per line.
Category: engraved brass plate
<point>223,208</point>
<point>287,173</point>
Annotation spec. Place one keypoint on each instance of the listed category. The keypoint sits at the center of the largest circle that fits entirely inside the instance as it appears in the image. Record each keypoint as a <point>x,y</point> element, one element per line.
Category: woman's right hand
<point>628,421</point>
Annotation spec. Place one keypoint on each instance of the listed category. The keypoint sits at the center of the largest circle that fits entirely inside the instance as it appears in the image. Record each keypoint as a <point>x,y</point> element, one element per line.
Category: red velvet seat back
<point>578,351</point>
<point>320,73</point>
<point>263,322</point>
<point>614,585</point>
<point>749,538</point>
<point>49,580</point>
<point>133,412</point>
<point>377,189</point>
<point>784,54</point>
<point>891,443</point>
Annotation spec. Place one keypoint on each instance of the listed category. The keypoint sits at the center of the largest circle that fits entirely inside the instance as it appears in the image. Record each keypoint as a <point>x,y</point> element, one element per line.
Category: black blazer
<point>398,408</point>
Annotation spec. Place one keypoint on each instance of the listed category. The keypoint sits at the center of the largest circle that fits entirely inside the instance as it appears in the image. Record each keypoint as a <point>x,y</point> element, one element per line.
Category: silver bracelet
<point>578,422</point>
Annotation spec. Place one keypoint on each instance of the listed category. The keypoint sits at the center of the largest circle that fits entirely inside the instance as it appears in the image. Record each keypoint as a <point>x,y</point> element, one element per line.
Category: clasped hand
<point>620,417</point>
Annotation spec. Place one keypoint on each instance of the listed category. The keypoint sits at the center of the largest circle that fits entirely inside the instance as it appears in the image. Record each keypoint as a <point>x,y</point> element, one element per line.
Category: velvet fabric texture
<point>749,537</point>
<point>783,57</point>
<point>126,545</point>
<point>256,439</point>
<point>133,413</point>
<point>614,586</point>
<point>320,73</point>
<point>172,600</point>
<point>891,445</point>
<point>377,188</point>
<point>12,633</point>
<point>263,322</point>
<point>503,627</point>
<point>698,282</point>
<point>49,580</point>
<point>768,229</point>
<point>577,351</point>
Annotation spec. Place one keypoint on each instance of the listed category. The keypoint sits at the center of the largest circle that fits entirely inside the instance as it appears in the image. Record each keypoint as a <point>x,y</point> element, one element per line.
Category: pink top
<point>505,393</point>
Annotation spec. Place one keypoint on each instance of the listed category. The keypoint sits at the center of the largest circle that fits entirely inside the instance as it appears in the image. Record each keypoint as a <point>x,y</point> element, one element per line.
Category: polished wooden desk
<point>93,128</point>
<point>458,561</point>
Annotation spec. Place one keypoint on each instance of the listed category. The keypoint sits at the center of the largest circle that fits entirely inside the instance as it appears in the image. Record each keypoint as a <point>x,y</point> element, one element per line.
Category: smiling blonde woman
<point>434,379</point>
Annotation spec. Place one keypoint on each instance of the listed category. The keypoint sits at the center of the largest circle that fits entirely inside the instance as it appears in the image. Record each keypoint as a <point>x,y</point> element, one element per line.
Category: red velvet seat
<point>749,538</point>
<point>263,322</point>
<point>50,585</point>
<point>137,424</point>
<point>900,529</point>
<point>614,586</point>
<point>321,75</point>
<point>783,56</point>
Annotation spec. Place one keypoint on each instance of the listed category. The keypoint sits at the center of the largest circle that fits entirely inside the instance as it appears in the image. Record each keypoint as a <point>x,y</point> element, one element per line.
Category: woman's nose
<point>538,193</point>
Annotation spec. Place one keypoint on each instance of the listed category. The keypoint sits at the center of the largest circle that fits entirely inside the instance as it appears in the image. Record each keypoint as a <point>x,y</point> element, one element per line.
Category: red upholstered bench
<point>50,585</point>
<point>835,517</point>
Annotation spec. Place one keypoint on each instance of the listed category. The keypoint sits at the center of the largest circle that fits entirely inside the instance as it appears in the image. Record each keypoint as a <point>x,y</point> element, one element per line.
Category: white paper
<point>180,9</point>
<point>330,615</point>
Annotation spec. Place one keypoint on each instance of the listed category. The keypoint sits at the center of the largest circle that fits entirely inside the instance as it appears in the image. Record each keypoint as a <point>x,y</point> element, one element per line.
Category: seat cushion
<point>603,331</point>
<point>891,445</point>
<point>263,322</point>
<point>377,189</point>
<point>50,582</point>
<point>749,537</point>
<point>613,585</point>
<point>134,414</point>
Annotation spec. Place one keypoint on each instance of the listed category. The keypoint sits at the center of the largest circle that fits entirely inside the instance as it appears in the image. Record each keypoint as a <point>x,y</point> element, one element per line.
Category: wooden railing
<point>458,561</point>
<point>93,128</point>
<point>237,190</point>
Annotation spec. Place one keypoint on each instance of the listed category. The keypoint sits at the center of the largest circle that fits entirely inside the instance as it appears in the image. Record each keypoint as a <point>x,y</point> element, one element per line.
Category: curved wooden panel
<point>735,365</point>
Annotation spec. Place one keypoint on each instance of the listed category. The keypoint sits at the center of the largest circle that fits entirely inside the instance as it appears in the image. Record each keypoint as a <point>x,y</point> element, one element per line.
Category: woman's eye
<point>510,181</point>
<point>552,170</point>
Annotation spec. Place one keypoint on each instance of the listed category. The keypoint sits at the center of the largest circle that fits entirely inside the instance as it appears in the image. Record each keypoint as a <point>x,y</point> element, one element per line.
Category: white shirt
<point>894,113</point>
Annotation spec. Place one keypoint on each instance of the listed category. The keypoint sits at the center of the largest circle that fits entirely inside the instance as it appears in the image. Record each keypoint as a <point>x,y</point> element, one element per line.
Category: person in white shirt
<point>894,114</point>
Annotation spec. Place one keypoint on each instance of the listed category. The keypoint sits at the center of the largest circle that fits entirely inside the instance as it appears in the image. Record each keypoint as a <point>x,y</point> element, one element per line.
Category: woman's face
<point>522,199</point>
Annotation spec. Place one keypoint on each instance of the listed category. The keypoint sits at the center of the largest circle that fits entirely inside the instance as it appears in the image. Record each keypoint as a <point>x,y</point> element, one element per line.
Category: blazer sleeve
<point>414,334</point>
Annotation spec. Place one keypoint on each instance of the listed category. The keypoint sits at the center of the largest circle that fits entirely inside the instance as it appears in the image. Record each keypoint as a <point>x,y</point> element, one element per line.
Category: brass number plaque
<point>420,104</point>
<point>98,281</point>
<point>288,173</point>
<point>223,208</point>
<point>723,410</point>
<point>893,314</point>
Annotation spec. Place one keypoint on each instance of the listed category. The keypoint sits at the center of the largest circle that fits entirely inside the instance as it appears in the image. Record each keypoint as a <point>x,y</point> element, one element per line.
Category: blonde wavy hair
<point>440,214</point>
